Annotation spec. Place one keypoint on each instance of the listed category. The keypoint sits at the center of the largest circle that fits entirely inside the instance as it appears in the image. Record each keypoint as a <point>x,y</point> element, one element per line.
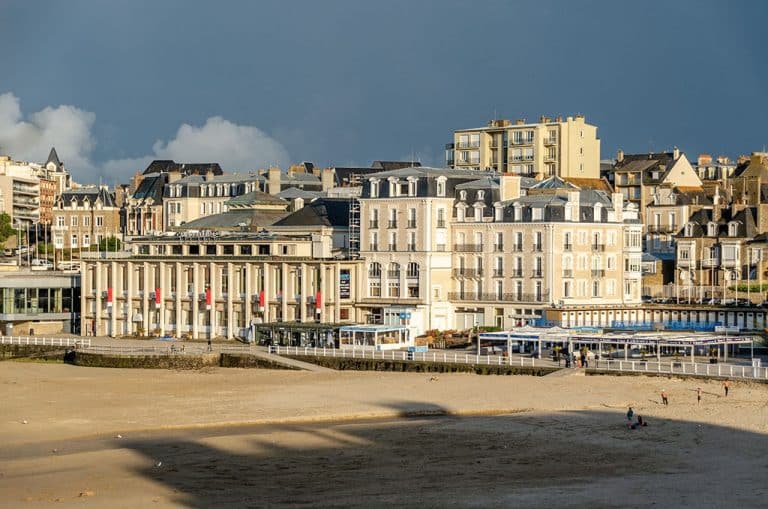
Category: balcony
<point>468,248</point>
<point>516,273</point>
<point>373,224</point>
<point>537,273</point>
<point>598,248</point>
<point>662,228</point>
<point>440,247</point>
<point>498,248</point>
<point>374,247</point>
<point>411,223</point>
<point>567,272</point>
<point>440,223</point>
<point>391,224</point>
<point>567,247</point>
<point>32,191</point>
<point>392,247</point>
<point>374,275</point>
<point>393,274</point>
<point>598,272</point>
<point>465,272</point>
<point>496,297</point>
<point>498,272</point>
<point>517,248</point>
<point>550,141</point>
<point>538,247</point>
<point>710,262</point>
<point>412,275</point>
<point>411,247</point>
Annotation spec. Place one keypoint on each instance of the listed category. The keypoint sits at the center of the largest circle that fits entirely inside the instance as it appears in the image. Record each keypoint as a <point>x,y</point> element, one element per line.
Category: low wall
<point>229,360</point>
<point>349,363</point>
<point>31,351</point>
<point>94,360</point>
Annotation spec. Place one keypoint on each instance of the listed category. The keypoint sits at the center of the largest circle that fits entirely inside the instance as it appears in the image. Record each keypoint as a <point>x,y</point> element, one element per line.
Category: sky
<point>116,84</point>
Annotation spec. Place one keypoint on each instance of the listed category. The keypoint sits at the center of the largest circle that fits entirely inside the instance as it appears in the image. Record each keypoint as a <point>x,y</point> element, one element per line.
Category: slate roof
<point>554,182</point>
<point>166,165</point>
<point>747,226</point>
<point>294,192</point>
<point>151,186</point>
<point>255,198</point>
<point>89,194</point>
<point>321,212</point>
<point>232,219</point>
<point>394,165</point>
<point>229,178</point>
<point>483,183</point>
<point>53,157</point>
<point>586,183</point>
<point>426,171</point>
<point>646,164</point>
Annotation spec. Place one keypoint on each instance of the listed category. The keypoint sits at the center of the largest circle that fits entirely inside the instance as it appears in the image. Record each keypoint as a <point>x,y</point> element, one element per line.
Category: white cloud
<point>65,127</point>
<point>235,147</point>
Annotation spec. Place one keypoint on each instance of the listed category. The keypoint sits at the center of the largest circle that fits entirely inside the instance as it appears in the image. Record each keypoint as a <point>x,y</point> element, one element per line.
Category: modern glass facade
<point>39,300</point>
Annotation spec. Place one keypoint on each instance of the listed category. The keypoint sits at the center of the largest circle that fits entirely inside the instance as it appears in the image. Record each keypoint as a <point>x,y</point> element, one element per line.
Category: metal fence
<point>26,340</point>
<point>682,368</point>
<point>401,355</point>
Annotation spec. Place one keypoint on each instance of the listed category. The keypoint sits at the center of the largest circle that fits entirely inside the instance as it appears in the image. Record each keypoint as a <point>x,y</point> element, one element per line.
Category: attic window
<point>462,195</point>
<point>441,186</point>
<point>712,229</point>
<point>733,229</point>
<point>689,230</point>
<point>481,195</point>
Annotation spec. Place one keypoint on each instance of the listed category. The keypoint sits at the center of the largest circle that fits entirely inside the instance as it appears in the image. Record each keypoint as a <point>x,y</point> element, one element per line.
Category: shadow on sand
<point>573,459</point>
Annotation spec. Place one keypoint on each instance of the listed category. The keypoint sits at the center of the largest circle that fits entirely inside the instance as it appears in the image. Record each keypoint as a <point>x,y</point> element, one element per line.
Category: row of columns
<point>275,279</point>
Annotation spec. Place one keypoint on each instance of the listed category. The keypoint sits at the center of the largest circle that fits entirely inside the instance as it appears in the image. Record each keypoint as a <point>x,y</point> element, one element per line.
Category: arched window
<point>374,270</point>
<point>394,271</point>
<point>413,270</point>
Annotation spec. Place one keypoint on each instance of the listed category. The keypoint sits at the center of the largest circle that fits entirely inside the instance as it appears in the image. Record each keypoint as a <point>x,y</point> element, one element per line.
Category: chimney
<point>327,179</point>
<point>617,199</point>
<point>208,175</point>
<point>619,155</point>
<point>273,180</point>
<point>509,187</point>
<point>559,118</point>
<point>298,204</point>
<point>175,175</point>
<point>520,121</point>
<point>704,159</point>
<point>676,153</point>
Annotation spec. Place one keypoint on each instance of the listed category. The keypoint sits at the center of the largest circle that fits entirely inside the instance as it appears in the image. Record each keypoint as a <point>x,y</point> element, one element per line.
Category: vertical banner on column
<point>158,297</point>
<point>318,302</point>
<point>109,297</point>
<point>208,299</point>
<point>261,301</point>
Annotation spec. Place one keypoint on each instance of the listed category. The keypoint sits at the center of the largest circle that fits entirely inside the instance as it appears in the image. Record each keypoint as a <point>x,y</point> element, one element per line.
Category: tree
<point>110,244</point>
<point>6,229</point>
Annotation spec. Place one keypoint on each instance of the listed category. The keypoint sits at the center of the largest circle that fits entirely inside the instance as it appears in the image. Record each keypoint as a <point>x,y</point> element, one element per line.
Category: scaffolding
<point>354,219</point>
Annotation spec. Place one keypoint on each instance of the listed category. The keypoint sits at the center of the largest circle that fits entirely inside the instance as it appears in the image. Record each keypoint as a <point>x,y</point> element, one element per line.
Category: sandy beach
<point>89,437</point>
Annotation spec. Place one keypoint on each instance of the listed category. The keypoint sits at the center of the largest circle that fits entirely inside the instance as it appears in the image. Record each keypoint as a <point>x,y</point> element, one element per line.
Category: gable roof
<point>87,194</point>
<point>151,186</point>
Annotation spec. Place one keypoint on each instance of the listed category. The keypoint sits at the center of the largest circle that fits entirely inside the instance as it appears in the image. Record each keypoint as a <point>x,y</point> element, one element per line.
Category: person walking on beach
<point>698,395</point>
<point>664,397</point>
<point>726,386</point>
<point>630,414</point>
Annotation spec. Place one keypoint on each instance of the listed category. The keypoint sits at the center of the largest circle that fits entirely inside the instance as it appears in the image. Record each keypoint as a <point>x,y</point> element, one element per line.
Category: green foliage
<point>754,287</point>
<point>110,244</point>
<point>45,249</point>
<point>6,229</point>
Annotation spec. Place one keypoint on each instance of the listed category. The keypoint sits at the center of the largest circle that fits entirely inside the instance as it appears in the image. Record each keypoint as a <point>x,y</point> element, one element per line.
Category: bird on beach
<point>119,436</point>
<point>158,464</point>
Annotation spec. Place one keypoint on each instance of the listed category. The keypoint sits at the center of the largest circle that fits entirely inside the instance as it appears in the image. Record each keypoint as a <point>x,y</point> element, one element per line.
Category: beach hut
<point>377,337</point>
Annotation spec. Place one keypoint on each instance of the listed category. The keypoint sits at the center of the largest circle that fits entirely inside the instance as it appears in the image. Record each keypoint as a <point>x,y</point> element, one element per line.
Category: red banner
<point>261,300</point>
<point>158,296</point>
<point>318,301</point>
<point>207,298</point>
<point>109,296</point>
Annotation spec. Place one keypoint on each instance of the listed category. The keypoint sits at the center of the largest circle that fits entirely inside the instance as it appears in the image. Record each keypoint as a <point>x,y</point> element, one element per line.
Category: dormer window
<point>481,195</point>
<point>412,186</point>
<point>733,229</point>
<point>441,186</point>
<point>518,211</point>
<point>462,195</point>
<point>478,213</point>
<point>374,188</point>
<point>460,213</point>
<point>712,229</point>
<point>498,213</point>
<point>689,230</point>
<point>392,187</point>
<point>537,214</point>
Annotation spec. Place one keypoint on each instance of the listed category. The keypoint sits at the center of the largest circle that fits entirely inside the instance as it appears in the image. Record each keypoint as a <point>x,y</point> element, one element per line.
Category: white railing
<point>26,340</point>
<point>401,355</point>
<point>682,368</point>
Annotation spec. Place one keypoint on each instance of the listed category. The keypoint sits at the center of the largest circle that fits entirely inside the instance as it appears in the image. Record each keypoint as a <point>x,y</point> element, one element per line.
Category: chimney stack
<point>273,180</point>
<point>619,155</point>
<point>327,179</point>
<point>509,187</point>
<point>520,121</point>
<point>676,153</point>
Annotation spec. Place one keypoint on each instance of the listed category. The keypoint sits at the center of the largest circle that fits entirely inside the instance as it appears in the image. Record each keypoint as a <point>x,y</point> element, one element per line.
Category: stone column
<point>247,273</point>
<point>215,287</point>
<point>145,297</point>
<point>115,293</point>
<point>163,292</point>
<point>304,291</point>
<point>181,289</point>
<point>195,301</point>
<point>286,290</point>
<point>99,288</point>
<point>267,317</point>
<point>230,298</point>
<point>129,291</point>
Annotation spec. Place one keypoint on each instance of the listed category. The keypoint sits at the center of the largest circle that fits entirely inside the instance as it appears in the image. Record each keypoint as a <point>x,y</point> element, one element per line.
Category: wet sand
<point>258,438</point>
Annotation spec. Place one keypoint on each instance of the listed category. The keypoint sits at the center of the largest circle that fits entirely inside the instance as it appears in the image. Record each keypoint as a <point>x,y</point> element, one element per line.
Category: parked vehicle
<point>41,264</point>
<point>69,266</point>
